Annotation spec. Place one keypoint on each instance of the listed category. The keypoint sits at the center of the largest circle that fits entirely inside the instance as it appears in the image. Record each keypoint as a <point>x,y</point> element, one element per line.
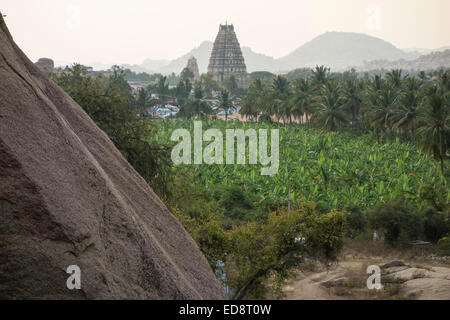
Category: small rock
<point>396,269</point>
<point>348,256</point>
<point>420,243</point>
<point>340,282</point>
<point>393,264</point>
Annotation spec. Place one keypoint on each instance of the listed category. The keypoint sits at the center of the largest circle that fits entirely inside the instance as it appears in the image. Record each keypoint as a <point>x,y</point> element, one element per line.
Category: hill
<point>339,50</point>
<point>201,53</point>
<point>432,61</point>
<point>424,51</point>
<point>258,62</point>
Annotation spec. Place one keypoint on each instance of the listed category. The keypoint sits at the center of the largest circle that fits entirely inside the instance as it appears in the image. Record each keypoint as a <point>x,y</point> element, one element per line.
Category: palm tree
<point>208,84</point>
<point>382,104</point>
<point>444,80</point>
<point>162,89</point>
<point>142,99</point>
<point>412,83</point>
<point>404,116</point>
<point>302,98</point>
<point>353,99</point>
<point>281,98</point>
<point>434,130</point>
<point>195,105</point>
<point>255,99</point>
<point>320,75</point>
<point>225,101</point>
<point>422,75</point>
<point>395,78</point>
<point>376,84</point>
<point>329,113</point>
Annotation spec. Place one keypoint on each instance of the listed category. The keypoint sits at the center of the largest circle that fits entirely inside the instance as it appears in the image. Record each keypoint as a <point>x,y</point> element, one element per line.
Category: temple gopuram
<point>226,57</point>
<point>193,67</point>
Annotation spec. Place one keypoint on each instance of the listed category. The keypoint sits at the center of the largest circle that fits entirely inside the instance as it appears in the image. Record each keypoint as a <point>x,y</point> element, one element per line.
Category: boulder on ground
<point>395,269</point>
<point>405,275</point>
<point>393,264</point>
<point>340,282</point>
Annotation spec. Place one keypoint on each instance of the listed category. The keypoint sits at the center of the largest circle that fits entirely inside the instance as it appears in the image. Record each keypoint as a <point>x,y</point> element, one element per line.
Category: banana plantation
<point>332,169</point>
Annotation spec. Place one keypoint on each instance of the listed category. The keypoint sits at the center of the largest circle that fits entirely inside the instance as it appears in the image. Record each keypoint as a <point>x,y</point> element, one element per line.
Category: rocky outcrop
<point>418,283</point>
<point>426,289</point>
<point>405,274</point>
<point>45,65</point>
<point>68,197</point>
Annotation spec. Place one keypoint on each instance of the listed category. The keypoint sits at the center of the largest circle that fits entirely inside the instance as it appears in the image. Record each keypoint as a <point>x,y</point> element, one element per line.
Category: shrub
<point>394,218</point>
<point>237,202</point>
<point>271,250</point>
<point>356,222</point>
<point>434,195</point>
<point>444,245</point>
<point>326,237</point>
<point>436,224</point>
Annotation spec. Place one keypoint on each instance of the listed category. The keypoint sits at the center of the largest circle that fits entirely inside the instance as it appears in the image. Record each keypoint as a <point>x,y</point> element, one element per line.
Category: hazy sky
<point>130,31</point>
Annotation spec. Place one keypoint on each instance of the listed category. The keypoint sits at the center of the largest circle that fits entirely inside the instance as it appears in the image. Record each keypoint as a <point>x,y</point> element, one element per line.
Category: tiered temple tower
<point>193,66</point>
<point>226,57</point>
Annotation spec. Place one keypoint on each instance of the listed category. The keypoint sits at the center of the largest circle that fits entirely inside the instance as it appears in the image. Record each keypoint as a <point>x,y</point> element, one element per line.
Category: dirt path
<point>309,286</point>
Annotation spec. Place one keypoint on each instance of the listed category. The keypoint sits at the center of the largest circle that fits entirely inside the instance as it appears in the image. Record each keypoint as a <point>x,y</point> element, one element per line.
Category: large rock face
<point>68,197</point>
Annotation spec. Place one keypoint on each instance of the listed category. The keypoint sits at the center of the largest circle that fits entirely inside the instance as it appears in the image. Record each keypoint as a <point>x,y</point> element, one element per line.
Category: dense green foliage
<point>329,168</point>
<point>413,108</point>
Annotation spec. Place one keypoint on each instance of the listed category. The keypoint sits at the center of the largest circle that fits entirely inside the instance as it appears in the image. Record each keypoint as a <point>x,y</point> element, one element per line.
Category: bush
<point>237,202</point>
<point>444,246</point>
<point>394,218</point>
<point>437,217</point>
<point>434,195</point>
<point>271,250</point>
<point>356,222</point>
<point>326,237</point>
<point>436,225</point>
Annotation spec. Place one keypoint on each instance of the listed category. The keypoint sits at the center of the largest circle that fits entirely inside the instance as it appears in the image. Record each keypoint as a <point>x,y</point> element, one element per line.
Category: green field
<point>331,169</point>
